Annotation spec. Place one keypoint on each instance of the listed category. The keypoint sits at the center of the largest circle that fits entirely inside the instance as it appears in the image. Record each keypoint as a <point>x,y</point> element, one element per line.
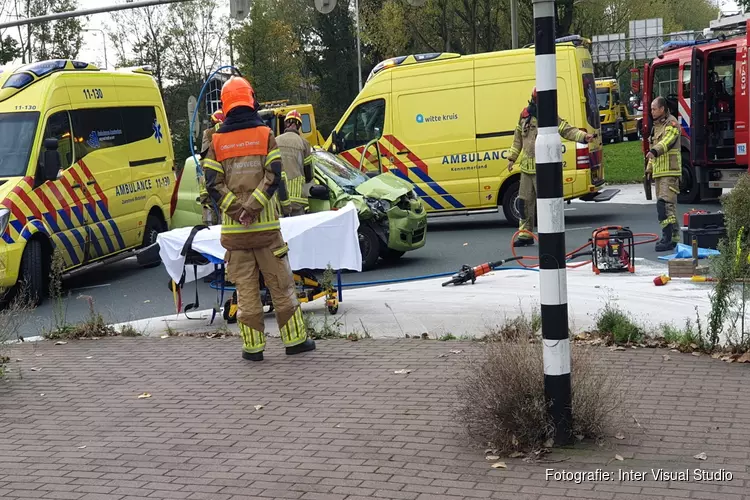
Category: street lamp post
<point>104,42</point>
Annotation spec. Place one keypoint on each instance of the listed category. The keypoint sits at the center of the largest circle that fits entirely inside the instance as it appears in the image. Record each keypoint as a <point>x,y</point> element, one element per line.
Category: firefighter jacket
<point>244,172</point>
<point>524,140</point>
<point>296,157</point>
<point>665,145</point>
<point>204,199</point>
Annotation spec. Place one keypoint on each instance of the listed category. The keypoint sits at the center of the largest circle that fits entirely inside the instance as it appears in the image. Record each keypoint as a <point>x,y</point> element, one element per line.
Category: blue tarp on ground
<point>684,251</point>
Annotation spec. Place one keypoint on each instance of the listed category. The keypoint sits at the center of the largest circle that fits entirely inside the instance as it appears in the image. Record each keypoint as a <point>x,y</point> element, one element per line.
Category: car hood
<point>386,187</point>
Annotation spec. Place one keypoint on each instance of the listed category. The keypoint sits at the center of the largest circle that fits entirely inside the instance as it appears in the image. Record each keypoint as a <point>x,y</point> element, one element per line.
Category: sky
<point>93,48</point>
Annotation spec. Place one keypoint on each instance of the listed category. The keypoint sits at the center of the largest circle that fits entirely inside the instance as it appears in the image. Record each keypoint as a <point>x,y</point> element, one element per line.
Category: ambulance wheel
<point>154,226</point>
<point>369,245</point>
<point>389,255</point>
<point>33,280</point>
<point>511,205</point>
<point>634,136</point>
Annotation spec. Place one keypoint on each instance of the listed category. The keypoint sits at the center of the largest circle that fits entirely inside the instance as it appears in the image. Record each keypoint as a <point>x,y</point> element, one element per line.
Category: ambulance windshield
<point>341,173</point>
<point>17,132</point>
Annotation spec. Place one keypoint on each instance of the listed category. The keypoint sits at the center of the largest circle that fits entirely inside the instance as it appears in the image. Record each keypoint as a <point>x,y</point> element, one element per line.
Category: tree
<point>141,37</point>
<point>55,39</point>
<point>9,50</point>
<point>268,54</point>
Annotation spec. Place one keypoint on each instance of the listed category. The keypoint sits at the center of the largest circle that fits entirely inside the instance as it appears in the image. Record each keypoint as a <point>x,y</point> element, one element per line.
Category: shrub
<point>501,399</point>
<point>618,325</point>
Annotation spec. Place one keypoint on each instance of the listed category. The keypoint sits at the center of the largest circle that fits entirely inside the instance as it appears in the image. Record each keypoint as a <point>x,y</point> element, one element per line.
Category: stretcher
<point>316,241</point>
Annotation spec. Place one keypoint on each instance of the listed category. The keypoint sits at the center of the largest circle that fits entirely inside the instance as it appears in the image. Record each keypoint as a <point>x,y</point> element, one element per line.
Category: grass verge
<point>623,163</point>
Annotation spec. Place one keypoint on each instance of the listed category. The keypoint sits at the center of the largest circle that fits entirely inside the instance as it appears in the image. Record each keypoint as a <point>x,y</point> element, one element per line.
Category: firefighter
<point>664,164</point>
<point>296,155</point>
<point>522,151</point>
<point>244,178</point>
<point>211,214</point>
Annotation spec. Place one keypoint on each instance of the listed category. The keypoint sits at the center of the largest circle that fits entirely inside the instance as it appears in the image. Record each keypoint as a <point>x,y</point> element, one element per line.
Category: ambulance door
<point>102,160</point>
<point>434,137</point>
<point>62,200</point>
<point>363,132</point>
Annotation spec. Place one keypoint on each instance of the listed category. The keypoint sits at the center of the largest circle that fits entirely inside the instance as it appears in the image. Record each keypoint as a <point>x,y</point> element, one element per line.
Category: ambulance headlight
<point>4,218</point>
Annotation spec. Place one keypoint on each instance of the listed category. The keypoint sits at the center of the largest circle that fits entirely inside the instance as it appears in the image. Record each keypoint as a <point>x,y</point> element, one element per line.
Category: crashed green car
<point>392,220</point>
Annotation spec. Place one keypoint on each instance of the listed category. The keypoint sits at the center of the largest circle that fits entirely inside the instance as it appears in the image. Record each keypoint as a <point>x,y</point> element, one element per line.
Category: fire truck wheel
<point>689,189</point>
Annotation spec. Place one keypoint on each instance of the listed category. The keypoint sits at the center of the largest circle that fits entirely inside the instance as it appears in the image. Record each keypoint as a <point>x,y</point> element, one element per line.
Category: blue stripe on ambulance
<point>65,218</point>
<point>71,251</point>
<point>106,237</point>
<point>92,211</point>
<point>116,232</point>
<point>103,209</point>
<point>52,222</point>
<point>7,239</point>
<point>78,213</point>
<point>436,187</point>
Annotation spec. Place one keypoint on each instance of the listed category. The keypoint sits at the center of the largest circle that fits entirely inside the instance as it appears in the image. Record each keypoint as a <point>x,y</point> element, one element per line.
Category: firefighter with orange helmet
<point>211,215</point>
<point>296,156</point>
<point>244,178</point>
<point>523,152</point>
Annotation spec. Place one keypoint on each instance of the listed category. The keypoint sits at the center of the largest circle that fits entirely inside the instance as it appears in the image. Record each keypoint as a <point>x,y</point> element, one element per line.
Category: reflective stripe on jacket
<point>665,145</point>
<point>244,172</point>
<point>524,141</point>
<point>297,162</point>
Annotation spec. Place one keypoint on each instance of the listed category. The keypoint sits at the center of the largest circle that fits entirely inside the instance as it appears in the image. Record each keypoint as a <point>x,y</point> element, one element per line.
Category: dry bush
<point>14,310</point>
<point>501,399</point>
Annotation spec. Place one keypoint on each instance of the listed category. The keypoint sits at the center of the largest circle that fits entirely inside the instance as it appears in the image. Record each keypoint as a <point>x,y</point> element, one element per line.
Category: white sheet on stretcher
<point>315,241</point>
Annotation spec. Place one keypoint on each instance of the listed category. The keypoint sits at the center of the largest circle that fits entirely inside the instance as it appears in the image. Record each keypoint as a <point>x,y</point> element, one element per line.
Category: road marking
<point>570,209</point>
<point>89,287</point>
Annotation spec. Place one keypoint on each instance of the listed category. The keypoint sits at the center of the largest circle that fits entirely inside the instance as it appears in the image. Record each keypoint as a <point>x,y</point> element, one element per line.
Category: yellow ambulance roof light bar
<point>410,59</point>
<point>28,74</point>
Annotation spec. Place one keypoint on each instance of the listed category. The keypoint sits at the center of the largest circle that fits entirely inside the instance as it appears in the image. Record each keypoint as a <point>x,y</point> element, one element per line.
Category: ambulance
<point>445,123</point>
<point>86,168</point>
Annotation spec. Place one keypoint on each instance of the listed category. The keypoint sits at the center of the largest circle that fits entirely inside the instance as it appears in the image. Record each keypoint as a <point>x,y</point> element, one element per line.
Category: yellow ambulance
<point>86,168</point>
<point>445,122</point>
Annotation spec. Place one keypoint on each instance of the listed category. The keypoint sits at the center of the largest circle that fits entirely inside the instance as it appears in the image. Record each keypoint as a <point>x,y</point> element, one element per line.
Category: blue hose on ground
<point>215,285</point>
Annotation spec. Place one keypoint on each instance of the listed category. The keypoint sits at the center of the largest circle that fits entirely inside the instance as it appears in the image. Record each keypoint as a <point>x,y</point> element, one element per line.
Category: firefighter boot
<point>524,239</point>
<point>666,243</point>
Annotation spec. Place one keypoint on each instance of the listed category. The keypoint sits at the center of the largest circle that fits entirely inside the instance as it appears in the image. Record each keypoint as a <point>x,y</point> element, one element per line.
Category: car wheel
<point>389,255</point>
<point>511,205</point>
<point>689,189</point>
<point>33,282</point>
<point>154,226</point>
<point>369,245</point>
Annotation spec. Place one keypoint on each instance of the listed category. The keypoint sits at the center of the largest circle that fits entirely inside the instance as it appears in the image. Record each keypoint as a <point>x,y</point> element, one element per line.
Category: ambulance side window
<point>58,127</point>
<point>364,124</point>
<point>96,129</point>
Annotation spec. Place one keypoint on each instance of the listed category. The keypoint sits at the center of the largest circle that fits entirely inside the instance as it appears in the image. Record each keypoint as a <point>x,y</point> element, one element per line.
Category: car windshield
<point>602,97</point>
<point>345,176</point>
<point>17,132</point>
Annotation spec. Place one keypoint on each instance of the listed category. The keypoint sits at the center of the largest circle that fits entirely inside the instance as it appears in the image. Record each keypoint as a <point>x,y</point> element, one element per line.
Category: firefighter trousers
<point>243,268</point>
<point>527,204</point>
<point>667,189</point>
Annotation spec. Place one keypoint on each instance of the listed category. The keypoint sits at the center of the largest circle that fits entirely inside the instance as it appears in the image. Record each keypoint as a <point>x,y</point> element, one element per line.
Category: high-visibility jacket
<point>665,145</point>
<point>296,157</point>
<point>523,150</point>
<point>246,174</point>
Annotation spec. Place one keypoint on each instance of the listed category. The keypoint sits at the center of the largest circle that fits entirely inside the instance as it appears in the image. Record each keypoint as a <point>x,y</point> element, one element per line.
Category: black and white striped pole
<point>553,284</point>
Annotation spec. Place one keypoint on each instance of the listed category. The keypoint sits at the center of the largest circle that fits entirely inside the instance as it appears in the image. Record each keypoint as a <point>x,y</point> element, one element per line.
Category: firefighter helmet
<point>237,92</point>
<point>217,117</point>
<point>294,115</point>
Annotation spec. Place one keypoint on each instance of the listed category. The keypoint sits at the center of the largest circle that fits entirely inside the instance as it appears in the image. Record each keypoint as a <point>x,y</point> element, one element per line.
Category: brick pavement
<point>335,424</point>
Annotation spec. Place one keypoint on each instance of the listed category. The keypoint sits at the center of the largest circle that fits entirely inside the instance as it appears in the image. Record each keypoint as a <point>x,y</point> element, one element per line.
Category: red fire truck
<point>705,83</point>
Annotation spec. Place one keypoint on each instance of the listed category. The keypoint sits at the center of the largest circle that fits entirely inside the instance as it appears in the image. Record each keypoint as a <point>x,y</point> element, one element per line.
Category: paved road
<point>125,292</point>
